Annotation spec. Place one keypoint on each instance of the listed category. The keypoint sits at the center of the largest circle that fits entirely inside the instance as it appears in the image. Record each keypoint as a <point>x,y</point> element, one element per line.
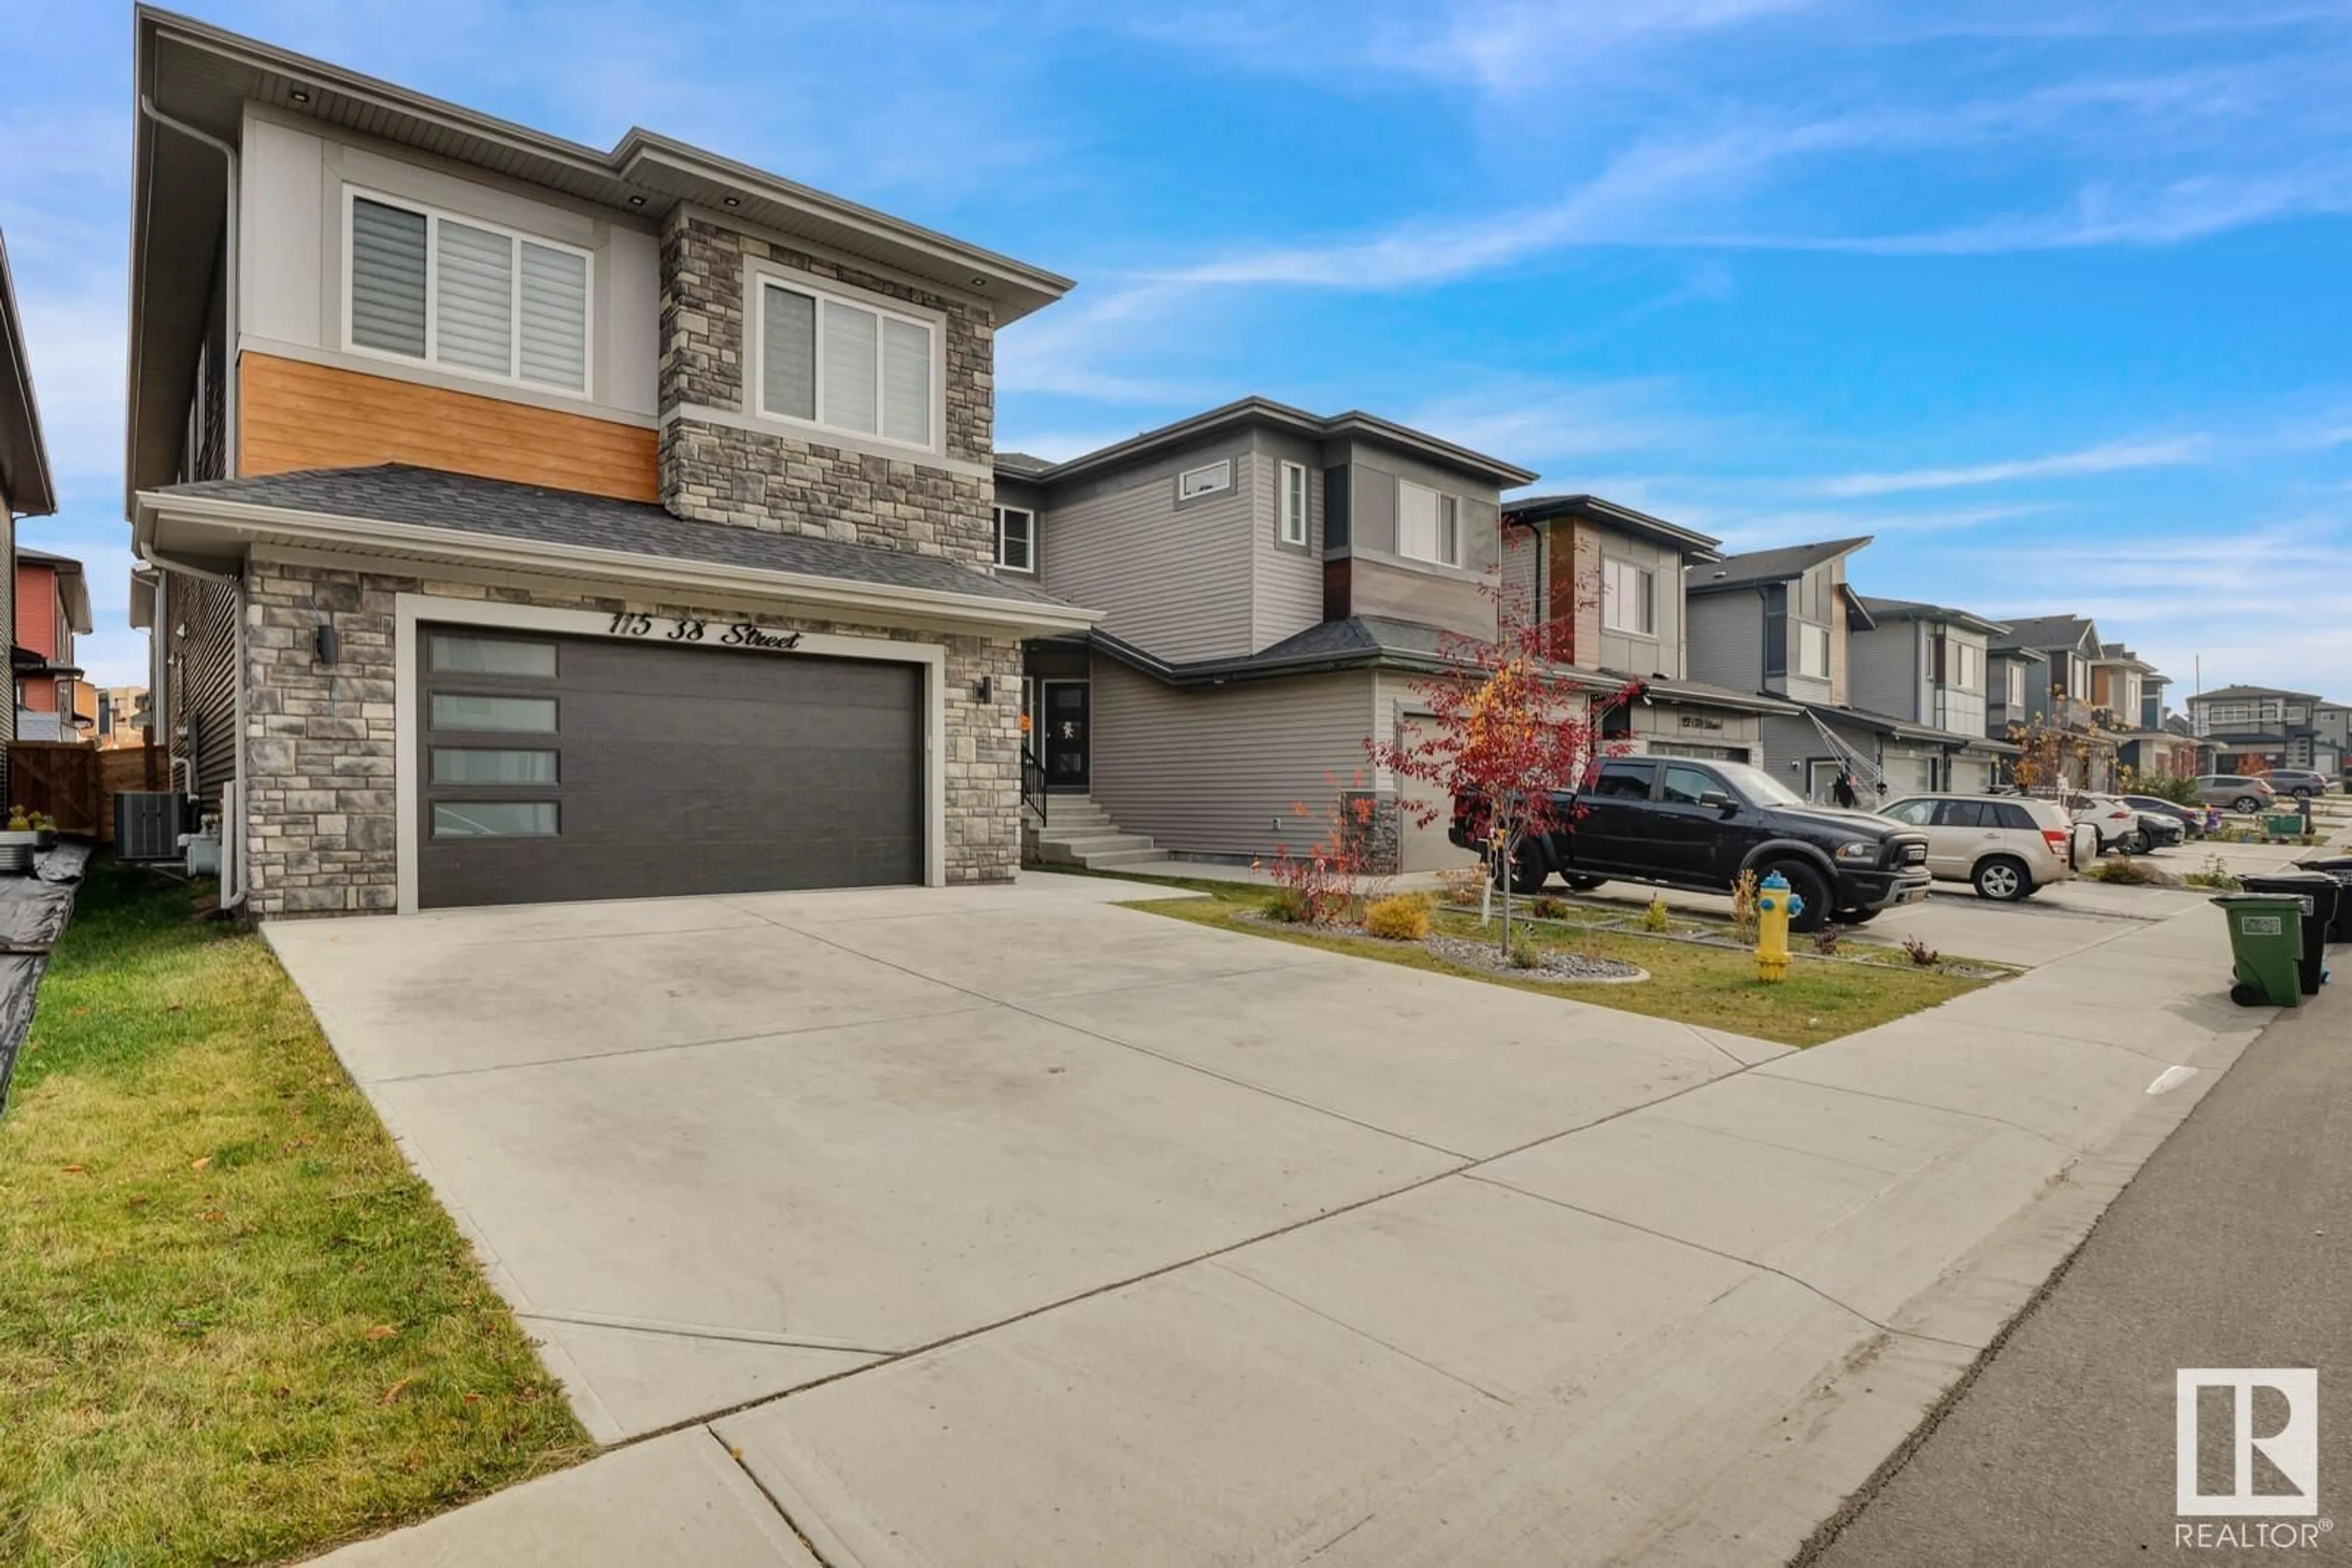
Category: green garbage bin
<point>2266,941</point>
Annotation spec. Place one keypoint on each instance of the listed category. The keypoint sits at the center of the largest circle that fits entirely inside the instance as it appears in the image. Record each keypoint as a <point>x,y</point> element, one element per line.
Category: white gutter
<point>252,523</point>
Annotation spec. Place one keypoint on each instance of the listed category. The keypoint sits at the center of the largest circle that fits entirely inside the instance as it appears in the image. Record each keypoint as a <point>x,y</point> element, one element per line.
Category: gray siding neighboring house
<point>1235,672</point>
<point>1926,665</point>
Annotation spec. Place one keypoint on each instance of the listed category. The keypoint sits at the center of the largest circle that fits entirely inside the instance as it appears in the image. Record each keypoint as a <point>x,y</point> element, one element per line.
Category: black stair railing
<point>1033,783</point>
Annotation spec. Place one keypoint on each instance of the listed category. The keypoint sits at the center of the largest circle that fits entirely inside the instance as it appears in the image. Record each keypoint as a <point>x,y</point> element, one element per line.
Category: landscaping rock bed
<point>1556,964</point>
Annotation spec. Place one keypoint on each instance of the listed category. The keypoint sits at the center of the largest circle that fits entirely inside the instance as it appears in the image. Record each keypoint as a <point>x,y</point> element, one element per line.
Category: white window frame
<point>1805,642</point>
<point>756,361</point>
<point>1612,602</point>
<point>1293,529</point>
<point>1222,480</point>
<point>2017,677</point>
<point>434,217</point>
<point>1029,567</point>
<point>1446,518</point>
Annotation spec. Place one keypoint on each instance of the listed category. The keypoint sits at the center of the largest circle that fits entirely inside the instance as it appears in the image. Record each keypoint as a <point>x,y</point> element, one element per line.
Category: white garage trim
<point>411,610</point>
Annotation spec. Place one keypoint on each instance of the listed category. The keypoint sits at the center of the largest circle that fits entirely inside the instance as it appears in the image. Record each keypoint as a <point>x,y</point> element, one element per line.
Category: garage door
<point>1419,848</point>
<point>557,768</point>
<point>1907,772</point>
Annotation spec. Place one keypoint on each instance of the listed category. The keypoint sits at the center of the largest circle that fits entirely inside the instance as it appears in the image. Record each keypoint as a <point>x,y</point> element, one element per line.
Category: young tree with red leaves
<point>1514,731</point>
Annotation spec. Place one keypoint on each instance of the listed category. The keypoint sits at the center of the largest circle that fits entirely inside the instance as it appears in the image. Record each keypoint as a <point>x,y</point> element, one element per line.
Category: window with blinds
<point>467,295</point>
<point>846,366</point>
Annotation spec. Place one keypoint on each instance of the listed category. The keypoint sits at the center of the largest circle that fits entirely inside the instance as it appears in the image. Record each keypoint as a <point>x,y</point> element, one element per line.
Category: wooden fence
<point>76,783</point>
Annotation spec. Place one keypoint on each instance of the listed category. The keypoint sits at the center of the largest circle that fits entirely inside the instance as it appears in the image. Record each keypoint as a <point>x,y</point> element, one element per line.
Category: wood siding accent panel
<point>297,415</point>
<point>1173,580</point>
<point>1213,770</point>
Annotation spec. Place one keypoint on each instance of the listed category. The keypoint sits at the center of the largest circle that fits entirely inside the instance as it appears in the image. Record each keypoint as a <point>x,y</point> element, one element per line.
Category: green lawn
<point>233,1327</point>
<point>1713,986</point>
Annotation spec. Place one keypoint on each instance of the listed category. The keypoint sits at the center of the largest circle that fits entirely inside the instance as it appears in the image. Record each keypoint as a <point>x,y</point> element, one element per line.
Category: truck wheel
<point>1807,885</point>
<point>1586,884</point>
<point>2002,879</point>
<point>1528,872</point>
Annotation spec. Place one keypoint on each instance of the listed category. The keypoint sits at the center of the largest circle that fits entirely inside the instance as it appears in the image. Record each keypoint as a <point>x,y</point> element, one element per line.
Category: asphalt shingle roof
<point>2043,632</point>
<point>1769,565</point>
<point>499,508</point>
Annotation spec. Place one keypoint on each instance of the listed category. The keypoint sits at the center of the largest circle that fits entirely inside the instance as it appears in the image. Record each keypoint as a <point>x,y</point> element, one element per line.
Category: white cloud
<point>2113,458</point>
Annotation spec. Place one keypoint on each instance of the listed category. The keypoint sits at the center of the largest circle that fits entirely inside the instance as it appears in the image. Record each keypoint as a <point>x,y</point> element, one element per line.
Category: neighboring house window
<point>1294,503</point>
<point>1959,667</point>
<point>1428,525</point>
<point>2017,686</point>
<point>1627,598</point>
<point>1812,650</point>
<point>1205,480</point>
<point>841,366</point>
<point>1016,538</point>
<point>467,295</point>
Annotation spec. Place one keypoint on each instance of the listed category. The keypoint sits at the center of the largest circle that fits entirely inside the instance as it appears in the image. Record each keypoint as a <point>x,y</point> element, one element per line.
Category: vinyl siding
<point>1523,597</point>
<point>1286,582</point>
<point>1657,724</point>
<point>1884,672</point>
<point>1173,580</point>
<point>205,682</point>
<point>1727,640</point>
<point>1218,770</point>
<point>1660,654</point>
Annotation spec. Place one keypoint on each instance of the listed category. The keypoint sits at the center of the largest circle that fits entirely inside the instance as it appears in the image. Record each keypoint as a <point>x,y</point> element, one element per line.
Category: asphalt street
<point>2232,1248</point>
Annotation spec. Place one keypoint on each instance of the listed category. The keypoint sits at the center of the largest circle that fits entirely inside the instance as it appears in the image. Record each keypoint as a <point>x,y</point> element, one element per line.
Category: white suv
<point>2007,846</point>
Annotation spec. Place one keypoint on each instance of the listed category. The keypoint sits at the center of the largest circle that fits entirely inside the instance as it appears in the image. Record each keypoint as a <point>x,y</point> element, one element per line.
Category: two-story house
<point>52,607</point>
<point>525,521</point>
<point>1608,585</point>
<point>2067,652</point>
<point>1780,622</point>
<point>1928,665</point>
<point>1272,584</point>
<point>2331,740</point>
<point>2253,729</point>
<point>26,486</point>
<point>2132,689</point>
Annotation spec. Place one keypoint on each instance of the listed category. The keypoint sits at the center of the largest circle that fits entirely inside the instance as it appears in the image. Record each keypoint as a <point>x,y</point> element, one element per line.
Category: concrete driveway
<point>992,1225</point>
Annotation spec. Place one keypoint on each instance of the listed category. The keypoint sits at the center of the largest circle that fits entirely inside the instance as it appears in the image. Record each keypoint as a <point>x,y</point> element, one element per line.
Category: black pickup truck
<point>1688,823</point>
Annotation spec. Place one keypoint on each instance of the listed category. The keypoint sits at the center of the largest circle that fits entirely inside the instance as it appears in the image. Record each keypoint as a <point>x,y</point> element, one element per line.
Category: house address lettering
<point>739,634</point>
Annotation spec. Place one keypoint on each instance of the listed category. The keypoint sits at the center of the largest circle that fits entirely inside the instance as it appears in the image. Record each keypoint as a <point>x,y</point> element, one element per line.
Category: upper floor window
<point>1957,664</point>
<point>839,365</point>
<point>1428,524</point>
<point>1812,650</point>
<point>2017,686</point>
<point>1294,503</point>
<point>467,295</point>
<point>1206,479</point>
<point>1628,598</point>
<point>1016,538</point>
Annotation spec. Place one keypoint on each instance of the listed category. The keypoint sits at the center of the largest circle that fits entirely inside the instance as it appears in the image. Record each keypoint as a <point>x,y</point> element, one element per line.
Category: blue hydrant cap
<point>1774,879</point>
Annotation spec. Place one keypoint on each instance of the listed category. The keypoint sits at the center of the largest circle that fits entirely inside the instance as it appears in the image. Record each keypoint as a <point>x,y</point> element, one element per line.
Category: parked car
<point>2006,846</point>
<point>2117,823</point>
<point>1688,823</point>
<point>2158,830</point>
<point>2236,791</point>
<point>2192,822</point>
<point>2300,782</point>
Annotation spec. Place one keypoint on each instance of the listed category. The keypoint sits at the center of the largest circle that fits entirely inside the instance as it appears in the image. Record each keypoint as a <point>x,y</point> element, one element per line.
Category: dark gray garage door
<point>557,768</point>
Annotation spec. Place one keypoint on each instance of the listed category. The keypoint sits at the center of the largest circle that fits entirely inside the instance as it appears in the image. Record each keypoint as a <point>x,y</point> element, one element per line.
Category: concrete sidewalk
<point>1680,1334</point>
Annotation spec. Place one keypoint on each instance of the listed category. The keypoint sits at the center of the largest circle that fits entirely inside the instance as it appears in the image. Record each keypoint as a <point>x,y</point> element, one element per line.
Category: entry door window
<point>1068,705</point>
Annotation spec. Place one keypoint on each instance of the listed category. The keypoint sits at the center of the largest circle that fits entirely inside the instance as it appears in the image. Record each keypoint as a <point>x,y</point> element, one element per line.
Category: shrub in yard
<point>2215,876</point>
<point>1549,908</point>
<point>1285,906</point>
<point>1525,953</point>
<point>1656,917</point>
<point>2173,787</point>
<point>1460,885</point>
<point>1743,909</point>
<point>2130,872</point>
<point>1399,918</point>
<point>1825,941</point>
<point>1923,955</point>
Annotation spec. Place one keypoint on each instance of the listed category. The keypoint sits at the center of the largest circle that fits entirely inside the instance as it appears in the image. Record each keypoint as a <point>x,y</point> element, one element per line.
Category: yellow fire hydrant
<point>1774,906</point>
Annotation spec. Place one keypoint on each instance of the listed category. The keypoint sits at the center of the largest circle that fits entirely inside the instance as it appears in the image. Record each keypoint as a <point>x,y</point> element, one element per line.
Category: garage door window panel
<point>494,820</point>
<point>514,715</point>
<point>463,655</point>
<point>492,765</point>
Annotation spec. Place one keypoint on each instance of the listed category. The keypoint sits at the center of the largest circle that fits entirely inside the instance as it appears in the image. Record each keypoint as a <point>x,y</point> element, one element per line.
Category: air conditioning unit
<point>147,823</point>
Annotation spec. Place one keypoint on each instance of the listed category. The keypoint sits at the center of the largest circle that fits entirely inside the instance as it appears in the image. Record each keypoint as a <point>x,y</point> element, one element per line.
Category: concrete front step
<point>1077,832</point>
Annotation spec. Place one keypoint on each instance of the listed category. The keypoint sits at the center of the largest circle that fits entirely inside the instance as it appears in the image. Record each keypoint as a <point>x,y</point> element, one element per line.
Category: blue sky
<point>2048,295</point>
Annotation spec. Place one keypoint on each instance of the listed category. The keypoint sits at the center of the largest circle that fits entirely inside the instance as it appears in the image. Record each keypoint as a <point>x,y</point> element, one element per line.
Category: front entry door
<point>1068,716</point>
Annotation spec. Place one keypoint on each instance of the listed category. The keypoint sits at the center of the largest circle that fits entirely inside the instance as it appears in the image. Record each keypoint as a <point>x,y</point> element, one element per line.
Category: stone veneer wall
<point>322,750</point>
<point>774,479</point>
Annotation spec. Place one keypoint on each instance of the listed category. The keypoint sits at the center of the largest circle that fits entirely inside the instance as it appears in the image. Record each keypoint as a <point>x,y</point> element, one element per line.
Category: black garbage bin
<point>2340,868</point>
<point>2326,896</point>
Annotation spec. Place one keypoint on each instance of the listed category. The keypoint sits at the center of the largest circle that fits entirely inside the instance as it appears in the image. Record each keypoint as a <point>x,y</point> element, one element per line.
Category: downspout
<point>233,889</point>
